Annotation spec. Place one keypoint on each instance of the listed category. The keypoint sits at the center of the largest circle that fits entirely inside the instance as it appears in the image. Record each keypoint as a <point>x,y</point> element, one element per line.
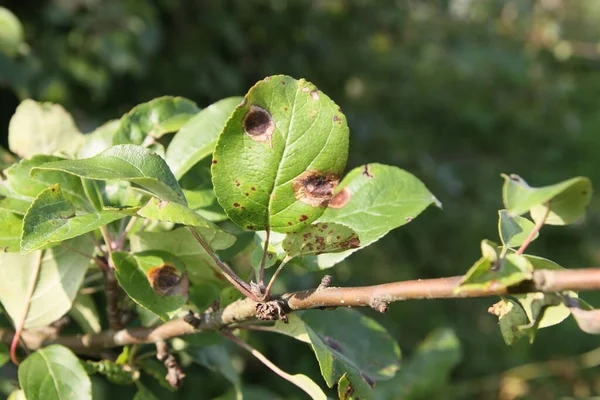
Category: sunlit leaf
<point>98,140</point>
<point>320,238</point>
<point>514,230</point>
<point>11,32</point>
<point>85,313</point>
<point>280,156</point>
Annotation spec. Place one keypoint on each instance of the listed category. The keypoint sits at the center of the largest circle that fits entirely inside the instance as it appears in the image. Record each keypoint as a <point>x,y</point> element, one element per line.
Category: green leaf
<point>567,200</point>
<point>511,316</point>
<point>428,371</point>
<point>154,118</point>
<point>280,156</point>
<point>198,190</point>
<point>53,219</point>
<point>514,230</point>
<point>346,342</point>
<point>202,295</point>
<point>126,162</point>
<point>11,33</point>
<point>199,265</point>
<point>11,226</point>
<point>372,200</point>
<point>180,214</point>
<point>85,313</point>
<point>4,354</point>
<point>54,373</point>
<point>217,359</point>
<point>156,280</point>
<point>57,274</point>
<point>42,128</point>
<point>197,138</point>
<point>320,238</point>
<point>17,395</point>
<point>98,140</point>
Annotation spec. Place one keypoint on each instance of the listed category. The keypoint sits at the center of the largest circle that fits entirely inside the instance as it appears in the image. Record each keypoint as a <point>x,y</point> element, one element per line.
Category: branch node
<point>271,311</point>
<point>175,374</point>
<point>380,306</point>
<point>191,319</point>
<point>325,283</point>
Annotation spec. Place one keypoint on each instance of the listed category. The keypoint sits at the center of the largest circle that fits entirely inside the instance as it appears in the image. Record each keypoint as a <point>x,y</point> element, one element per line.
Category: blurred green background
<point>455,91</point>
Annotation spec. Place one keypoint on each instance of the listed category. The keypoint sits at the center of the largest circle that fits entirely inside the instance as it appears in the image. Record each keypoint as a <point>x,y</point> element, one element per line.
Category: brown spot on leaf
<point>336,118</point>
<point>303,218</point>
<point>315,188</point>
<point>237,183</point>
<point>348,392</point>
<point>247,194</point>
<point>214,161</point>
<point>236,204</point>
<point>305,89</point>
<point>251,227</point>
<point>163,204</point>
<point>243,208</point>
<point>367,171</point>
<point>290,223</point>
<point>370,381</point>
<point>166,280</point>
<point>253,189</point>
<point>333,344</point>
<point>283,82</point>
<point>315,95</point>
<point>258,124</point>
<point>340,199</point>
<point>409,219</point>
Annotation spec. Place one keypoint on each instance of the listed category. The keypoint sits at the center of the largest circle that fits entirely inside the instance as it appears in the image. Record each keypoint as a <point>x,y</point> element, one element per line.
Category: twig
<point>227,272</point>
<point>175,374</point>
<point>264,360</point>
<point>21,323</point>
<point>122,237</point>
<point>547,281</point>
<point>535,230</point>
<point>107,241</point>
<point>261,271</point>
<point>272,281</point>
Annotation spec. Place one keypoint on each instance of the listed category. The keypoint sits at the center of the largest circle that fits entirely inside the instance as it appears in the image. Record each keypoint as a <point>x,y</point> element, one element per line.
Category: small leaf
<point>85,314</point>
<point>197,138</point>
<point>53,219</point>
<point>567,200</point>
<point>554,311</point>
<point>156,280</point>
<point>126,162</point>
<point>54,373</point>
<point>154,118</point>
<point>280,156</point>
<point>11,33</point>
<point>42,128</point>
<point>588,320</point>
<point>492,273</point>
<point>320,238</point>
<point>427,372</point>
<point>199,265</point>
<point>511,316</point>
<point>60,273</point>
<point>514,230</point>
<point>372,200</point>
<point>180,214</point>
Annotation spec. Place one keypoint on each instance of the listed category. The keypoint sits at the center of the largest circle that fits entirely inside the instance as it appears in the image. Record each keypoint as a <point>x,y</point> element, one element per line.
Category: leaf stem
<point>264,360</point>
<point>107,241</point>
<point>19,326</point>
<point>283,263</point>
<point>100,263</point>
<point>535,230</point>
<point>227,272</point>
<point>122,237</point>
<point>261,272</point>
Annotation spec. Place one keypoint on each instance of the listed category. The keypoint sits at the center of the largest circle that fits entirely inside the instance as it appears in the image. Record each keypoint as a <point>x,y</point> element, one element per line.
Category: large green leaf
<point>42,128</point>
<point>180,242</point>
<point>320,238</point>
<point>567,200</point>
<point>11,32</point>
<point>280,156</point>
<point>427,372</point>
<point>154,118</point>
<point>514,230</point>
<point>346,342</point>
<point>373,200</point>
<point>54,373</point>
<point>11,227</point>
<point>180,214</point>
<point>53,219</point>
<point>156,280</point>
<point>57,274</point>
<point>217,359</point>
<point>197,138</point>
<point>126,162</point>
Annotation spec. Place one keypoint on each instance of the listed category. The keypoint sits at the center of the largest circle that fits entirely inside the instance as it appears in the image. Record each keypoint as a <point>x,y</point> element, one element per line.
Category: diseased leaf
<point>372,200</point>
<point>155,118</point>
<point>346,342</point>
<point>126,162</point>
<point>42,128</point>
<point>180,214</point>
<point>280,156</point>
<point>320,238</point>
<point>197,138</point>
<point>567,200</point>
<point>11,33</point>
<point>54,373</point>
<point>427,372</point>
<point>52,219</point>
<point>511,316</point>
<point>58,274</point>
<point>180,242</point>
<point>156,280</point>
<point>514,230</point>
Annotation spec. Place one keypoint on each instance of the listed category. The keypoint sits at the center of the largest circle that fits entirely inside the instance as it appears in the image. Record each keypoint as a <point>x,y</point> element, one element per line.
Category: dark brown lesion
<point>315,188</point>
<point>258,124</point>
<point>166,280</point>
<point>341,198</point>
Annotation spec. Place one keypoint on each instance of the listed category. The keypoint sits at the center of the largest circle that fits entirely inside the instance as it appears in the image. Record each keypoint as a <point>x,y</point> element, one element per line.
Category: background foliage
<point>454,91</point>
